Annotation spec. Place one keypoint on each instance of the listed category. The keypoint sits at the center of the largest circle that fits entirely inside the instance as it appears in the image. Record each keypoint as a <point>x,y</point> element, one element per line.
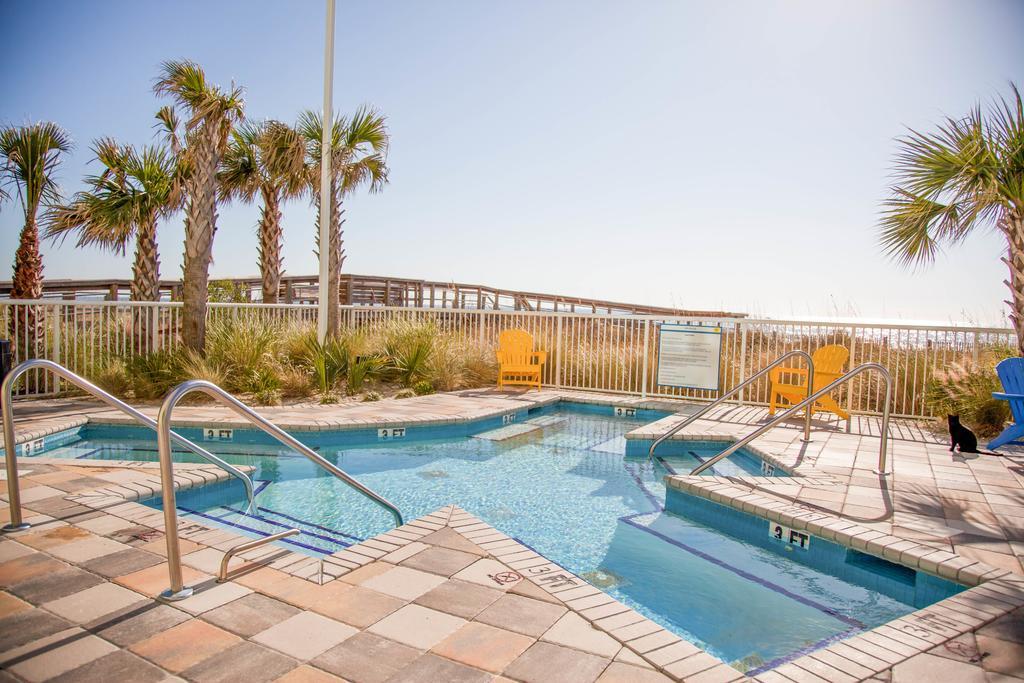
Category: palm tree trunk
<point>337,258</point>
<point>200,226</point>
<point>1012,226</point>
<point>270,245</point>
<point>145,279</point>
<point>27,284</point>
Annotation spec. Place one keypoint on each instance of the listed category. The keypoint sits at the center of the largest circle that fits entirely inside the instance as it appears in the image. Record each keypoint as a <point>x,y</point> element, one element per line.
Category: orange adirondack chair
<point>518,362</point>
<point>828,366</point>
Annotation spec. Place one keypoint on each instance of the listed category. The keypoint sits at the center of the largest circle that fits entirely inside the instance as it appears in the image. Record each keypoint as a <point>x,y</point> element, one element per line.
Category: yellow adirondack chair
<point>518,362</point>
<point>828,366</point>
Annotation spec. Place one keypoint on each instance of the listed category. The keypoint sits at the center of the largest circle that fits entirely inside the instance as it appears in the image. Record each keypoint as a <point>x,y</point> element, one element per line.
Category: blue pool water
<point>709,573</point>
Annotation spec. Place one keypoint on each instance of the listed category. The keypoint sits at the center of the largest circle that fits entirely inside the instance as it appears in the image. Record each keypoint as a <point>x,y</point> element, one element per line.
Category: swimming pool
<point>561,483</point>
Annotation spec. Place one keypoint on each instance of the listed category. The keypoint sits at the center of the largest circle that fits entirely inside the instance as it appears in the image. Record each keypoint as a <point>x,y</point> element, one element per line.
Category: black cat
<point>961,437</point>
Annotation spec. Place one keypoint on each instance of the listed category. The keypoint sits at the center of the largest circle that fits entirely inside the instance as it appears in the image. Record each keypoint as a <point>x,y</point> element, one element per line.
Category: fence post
<point>154,329</point>
<point>743,361</point>
<point>558,352</point>
<point>480,332</point>
<point>56,342</point>
<point>643,363</point>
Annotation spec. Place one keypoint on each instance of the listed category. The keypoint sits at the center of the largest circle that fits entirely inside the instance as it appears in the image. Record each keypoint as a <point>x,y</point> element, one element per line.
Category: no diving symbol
<point>505,578</point>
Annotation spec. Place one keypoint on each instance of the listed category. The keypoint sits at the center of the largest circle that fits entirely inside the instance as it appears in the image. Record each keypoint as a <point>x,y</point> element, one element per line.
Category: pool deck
<point>448,597</point>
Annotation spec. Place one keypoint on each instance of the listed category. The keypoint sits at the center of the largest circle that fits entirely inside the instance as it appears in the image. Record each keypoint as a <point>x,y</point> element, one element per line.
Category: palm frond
<point>29,158</point>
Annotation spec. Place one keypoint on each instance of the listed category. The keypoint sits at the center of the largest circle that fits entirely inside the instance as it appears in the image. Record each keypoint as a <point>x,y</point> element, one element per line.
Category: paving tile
<point>308,674</point>
<point>417,626</point>
<point>105,524</point>
<point>250,614</point>
<point>116,666</point>
<point>926,667</point>
<point>483,647</point>
<point>366,658</point>
<point>1002,656</point>
<point>1009,627</point>
<point>54,585</point>
<point>359,607</point>
<point>522,615</point>
<point>121,563</point>
<point>432,668</point>
<point>154,580</point>
<point>576,632</point>
<point>619,672</point>
<point>51,538</point>
<point>94,602</point>
<point>61,653</point>
<point>484,572</point>
<point>138,622</point>
<point>86,549</point>
<point>402,582</point>
<point>10,550</point>
<point>26,626</point>
<point>305,635</point>
<point>537,664</point>
<point>443,561</point>
<point>10,605</point>
<point>184,645</point>
<point>367,571</point>
<point>210,595</point>
<point>449,538</point>
<point>26,567</point>
<point>245,661</point>
<point>460,598</point>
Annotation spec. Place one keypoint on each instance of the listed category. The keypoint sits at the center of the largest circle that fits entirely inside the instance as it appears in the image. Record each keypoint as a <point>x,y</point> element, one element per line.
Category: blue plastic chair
<point>1011,374</point>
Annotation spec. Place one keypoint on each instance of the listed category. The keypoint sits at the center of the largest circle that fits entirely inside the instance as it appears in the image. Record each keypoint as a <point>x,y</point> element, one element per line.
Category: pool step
<point>265,521</point>
<point>507,432</point>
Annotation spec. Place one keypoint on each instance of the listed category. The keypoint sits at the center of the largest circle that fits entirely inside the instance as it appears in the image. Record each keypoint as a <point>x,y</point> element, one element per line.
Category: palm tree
<point>30,156</point>
<point>211,114</point>
<point>967,175</point>
<point>134,190</point>
<point>266,159</point>
<point>358,156</point>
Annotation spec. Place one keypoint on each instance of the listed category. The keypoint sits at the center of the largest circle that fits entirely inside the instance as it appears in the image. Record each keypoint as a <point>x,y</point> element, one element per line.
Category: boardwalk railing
<point>608,353</point>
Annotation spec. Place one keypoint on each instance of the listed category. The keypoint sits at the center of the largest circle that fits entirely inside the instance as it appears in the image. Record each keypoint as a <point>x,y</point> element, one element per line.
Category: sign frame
<point>715,330</point>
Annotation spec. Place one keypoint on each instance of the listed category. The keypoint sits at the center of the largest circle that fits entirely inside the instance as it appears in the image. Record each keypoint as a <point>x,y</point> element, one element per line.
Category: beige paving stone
<point>483,647</point>
<point>245,661</point>
<point>1002,656</point>
<point>926,667</point>
<point>537,664</point>
<point>116,666</point>
<point>308,674</point>
<point>620,672</point>
<point>305,635</point>
<point>430,667</point>
<point>210,595</point>
<point>86,549</point>
<point>443,561</point>
<point>417,626</point>
<point>484,572</point>
<point>366,658</point>
<point>460,598</point>
<point>403,582</point>
<point>359,607</point>
<point>576,632</point>
<point>10,605</point>
<point>250,614</point>
<point>522,615</point>
<point>46,659</point>
<point>184,645</point>
<point>94,602</point>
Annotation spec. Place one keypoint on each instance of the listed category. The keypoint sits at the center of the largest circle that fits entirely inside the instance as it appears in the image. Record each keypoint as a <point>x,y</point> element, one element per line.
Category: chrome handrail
<point>742,385</point>
<point>10,454</point>
<point>178,590</point>
<point>882,448</point>
<point>222,575</point>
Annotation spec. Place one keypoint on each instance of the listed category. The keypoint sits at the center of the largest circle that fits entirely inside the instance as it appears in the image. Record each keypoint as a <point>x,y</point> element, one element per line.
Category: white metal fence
<point>614,354</point>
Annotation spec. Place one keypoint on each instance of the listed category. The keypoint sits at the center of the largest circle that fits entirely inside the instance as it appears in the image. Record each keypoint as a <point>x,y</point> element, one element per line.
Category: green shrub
<point>190,365</point>
<point>267,397</point>
<point>243,346</point>
<point>408,347</point>
<point>296,382</point>
<point>328,361</point>
<point>154,374</point>
<point>328,398</point>
<point>965,389</point>
<point>405,393</point>
<point>372,396</point>
<point>227,292</point>
<point>363,368</point>
<point>423,388</point>
<point>113,377</point>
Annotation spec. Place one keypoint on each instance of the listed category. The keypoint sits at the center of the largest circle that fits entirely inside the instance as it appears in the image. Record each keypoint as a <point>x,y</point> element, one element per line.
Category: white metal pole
<point>325,174</point>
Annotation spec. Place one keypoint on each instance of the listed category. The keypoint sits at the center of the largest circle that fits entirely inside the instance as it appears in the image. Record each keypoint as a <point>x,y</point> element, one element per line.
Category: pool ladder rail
<point>17,523</point>
<point>177,590</point>
<point>735,390</point>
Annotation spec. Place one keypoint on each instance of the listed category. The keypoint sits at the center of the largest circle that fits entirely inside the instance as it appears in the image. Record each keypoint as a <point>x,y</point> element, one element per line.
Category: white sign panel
<point>689,356</point>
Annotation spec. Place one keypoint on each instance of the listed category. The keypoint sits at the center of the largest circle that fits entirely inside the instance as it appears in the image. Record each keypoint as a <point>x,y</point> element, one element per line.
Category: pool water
<point>567,490</point>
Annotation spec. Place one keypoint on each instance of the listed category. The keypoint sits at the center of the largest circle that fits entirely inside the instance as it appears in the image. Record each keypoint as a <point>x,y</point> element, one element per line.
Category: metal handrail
<point>178,591</point>
<point>222,575</point>
<point>6,403</point>
<point>810,399</point>
<point>742,385</point>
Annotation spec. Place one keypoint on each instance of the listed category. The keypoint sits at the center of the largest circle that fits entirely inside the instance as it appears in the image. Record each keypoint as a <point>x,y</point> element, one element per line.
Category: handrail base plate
<point>11,528</point>
<point>170,596</point>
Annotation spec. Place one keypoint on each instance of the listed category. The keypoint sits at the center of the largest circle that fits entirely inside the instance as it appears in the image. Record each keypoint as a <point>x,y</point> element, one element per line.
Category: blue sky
<point>701,154</point>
